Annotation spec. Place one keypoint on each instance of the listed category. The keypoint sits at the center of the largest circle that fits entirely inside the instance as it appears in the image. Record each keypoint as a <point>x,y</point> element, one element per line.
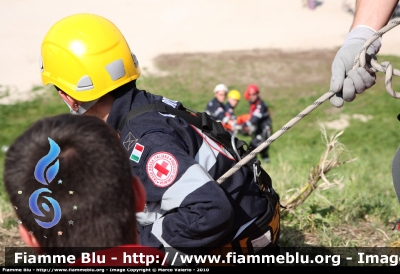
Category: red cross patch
<point>162,168</point>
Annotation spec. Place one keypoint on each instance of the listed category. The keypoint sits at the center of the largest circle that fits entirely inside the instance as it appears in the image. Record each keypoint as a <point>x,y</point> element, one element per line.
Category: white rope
<point>384,67</point>
<point>360,61</point>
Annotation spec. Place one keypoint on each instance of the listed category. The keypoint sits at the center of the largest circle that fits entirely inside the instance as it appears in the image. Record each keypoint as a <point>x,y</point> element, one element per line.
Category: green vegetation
<point>361,212</point>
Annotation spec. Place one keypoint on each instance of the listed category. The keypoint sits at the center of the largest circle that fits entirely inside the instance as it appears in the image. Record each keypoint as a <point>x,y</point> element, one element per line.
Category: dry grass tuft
<point>331,158</point>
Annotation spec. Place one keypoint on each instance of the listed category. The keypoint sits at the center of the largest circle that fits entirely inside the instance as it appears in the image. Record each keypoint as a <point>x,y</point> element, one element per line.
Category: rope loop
<point>371,64</point>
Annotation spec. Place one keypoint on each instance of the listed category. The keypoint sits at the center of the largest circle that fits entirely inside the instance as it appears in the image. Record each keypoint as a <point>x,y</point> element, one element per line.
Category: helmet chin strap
<point>82,108</point>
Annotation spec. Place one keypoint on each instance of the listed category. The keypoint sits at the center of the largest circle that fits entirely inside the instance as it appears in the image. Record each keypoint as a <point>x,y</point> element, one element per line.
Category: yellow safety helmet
<point>234,94</point>
<point>86,56</point>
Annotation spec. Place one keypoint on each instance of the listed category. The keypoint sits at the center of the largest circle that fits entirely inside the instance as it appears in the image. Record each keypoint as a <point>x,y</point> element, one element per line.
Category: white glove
<point>345,81</point>
<point>237,127</point>
<point>249,128</point>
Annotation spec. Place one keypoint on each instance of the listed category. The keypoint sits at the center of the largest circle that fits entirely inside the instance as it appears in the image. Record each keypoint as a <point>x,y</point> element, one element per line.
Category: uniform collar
<point>124,96</point>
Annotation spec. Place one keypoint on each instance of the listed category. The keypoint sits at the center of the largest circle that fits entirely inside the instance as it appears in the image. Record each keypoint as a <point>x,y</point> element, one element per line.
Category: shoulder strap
<point>191,118</point>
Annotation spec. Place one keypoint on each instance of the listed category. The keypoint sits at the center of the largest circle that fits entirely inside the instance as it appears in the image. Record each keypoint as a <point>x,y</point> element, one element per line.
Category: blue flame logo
<point>45,161</point>
<point>45,178</point>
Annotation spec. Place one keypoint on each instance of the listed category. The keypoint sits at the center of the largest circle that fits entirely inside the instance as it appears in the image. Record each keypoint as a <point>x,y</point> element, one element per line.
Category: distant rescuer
<point>233,100</point>
<point>216,108</point>
<point>229,121</point>
<point>258,122</point>
<point>88,60</point>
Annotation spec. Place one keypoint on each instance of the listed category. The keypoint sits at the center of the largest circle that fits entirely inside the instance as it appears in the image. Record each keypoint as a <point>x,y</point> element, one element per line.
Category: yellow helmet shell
<point>86,56</point>
<point>234,94</point>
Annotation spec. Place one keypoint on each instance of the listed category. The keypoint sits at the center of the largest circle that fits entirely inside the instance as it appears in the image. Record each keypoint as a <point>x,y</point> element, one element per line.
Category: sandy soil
<point>154,27</point>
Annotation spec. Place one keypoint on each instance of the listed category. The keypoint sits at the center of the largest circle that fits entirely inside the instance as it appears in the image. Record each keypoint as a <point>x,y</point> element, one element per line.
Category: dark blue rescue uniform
<point>186,208</point>
<point>229,111</point>
<point>216,110</point>
<point>261,120</point>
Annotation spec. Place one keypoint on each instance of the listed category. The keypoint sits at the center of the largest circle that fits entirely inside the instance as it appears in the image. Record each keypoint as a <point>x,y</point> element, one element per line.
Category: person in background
<point>349,6</point>
<point>82,166</point>
<point>215,108</point>
<point>233,99</point>
<point>369,17</point>
<point>258,122</point>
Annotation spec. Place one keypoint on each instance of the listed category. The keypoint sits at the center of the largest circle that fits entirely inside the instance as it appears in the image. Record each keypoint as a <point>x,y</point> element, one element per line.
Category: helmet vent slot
<point>135,60</point>
<point>116,69</point>
<point>85,83</point>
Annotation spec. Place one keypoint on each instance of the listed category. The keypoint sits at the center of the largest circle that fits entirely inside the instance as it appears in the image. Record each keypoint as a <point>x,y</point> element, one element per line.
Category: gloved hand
<point>238,128</point>
<point>345,81</point>
<point>248,128</point>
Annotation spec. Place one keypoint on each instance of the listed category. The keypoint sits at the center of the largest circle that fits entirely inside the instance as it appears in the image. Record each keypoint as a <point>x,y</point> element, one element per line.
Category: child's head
<point>73,171</point>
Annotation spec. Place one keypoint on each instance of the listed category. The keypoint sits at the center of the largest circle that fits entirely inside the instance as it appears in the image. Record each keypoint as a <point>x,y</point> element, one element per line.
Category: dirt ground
<point>268,68</point>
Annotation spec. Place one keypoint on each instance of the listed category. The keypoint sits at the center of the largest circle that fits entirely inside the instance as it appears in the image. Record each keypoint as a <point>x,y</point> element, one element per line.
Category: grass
<point>17,118</point>
<point>360,213</point>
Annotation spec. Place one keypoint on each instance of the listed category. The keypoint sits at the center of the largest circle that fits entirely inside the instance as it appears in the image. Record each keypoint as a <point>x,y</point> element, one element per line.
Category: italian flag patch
<point>137,152</point>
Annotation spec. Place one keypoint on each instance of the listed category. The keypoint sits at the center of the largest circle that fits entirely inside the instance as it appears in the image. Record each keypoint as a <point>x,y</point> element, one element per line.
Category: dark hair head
<point>93,164</point>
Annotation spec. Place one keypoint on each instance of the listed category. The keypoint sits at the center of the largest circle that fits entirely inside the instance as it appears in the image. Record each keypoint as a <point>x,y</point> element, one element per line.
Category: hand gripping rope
<point>385,67</point>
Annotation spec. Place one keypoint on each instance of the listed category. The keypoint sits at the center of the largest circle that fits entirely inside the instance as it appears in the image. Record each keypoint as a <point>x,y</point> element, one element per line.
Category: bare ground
<point>267,68</point>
